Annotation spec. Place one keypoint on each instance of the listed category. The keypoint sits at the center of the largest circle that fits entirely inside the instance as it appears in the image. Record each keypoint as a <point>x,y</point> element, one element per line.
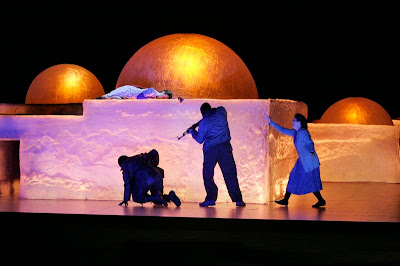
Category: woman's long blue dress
<point>301,182</point>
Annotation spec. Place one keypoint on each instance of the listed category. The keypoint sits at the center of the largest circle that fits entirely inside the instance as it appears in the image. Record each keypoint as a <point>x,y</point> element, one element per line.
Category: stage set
<point>61,183</point>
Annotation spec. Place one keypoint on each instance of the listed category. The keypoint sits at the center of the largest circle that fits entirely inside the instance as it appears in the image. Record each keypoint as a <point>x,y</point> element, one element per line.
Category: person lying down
<point>136,92</point>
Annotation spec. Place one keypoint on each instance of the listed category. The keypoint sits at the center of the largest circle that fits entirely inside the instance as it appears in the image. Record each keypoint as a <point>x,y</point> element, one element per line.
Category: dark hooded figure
<point>142,174</point>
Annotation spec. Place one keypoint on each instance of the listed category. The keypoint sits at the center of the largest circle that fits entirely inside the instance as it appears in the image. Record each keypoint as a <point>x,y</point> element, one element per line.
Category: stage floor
<point>359,225</point>
<point>349,202</point>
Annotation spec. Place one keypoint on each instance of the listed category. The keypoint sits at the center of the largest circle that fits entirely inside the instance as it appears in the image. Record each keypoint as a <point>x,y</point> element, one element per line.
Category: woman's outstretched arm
<point>281,129</point>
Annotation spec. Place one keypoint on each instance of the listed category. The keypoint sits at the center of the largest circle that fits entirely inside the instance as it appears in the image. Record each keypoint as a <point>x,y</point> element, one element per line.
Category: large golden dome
<point>191,66</point>
<point>356,110</point>
<point>62,84</point>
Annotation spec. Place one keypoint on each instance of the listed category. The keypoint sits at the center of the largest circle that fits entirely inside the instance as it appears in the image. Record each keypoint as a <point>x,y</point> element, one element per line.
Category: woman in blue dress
<point>305,176</point>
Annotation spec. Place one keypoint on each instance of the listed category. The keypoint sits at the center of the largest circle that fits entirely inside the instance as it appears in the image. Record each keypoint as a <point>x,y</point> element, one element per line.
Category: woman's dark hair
<point>169,93</point>
<point>303,121</point>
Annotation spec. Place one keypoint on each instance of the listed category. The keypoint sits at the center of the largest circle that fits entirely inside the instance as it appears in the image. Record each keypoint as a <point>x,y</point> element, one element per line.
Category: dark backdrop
<point>317,52</point>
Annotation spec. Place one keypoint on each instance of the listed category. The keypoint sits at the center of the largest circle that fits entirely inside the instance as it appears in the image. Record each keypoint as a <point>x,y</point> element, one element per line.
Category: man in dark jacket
<point>142,174</point>
<point>214,133</point>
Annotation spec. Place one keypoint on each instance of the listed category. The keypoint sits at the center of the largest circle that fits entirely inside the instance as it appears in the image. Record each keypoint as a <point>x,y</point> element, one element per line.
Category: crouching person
<point>141,175</point>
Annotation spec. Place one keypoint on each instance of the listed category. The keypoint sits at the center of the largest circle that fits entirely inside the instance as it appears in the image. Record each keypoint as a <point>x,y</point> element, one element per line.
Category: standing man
<point>214,132</point>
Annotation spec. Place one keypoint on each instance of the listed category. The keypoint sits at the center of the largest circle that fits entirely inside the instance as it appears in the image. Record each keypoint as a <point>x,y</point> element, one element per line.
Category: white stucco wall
<point>75,157</point>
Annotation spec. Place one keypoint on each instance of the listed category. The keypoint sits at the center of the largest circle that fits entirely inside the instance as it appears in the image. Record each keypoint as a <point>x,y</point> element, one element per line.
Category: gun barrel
<point>192,127</point>
<point>182,136</point>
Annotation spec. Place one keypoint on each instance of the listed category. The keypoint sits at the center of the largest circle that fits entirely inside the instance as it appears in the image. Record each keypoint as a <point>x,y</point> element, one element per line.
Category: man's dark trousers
<point>221,154</point>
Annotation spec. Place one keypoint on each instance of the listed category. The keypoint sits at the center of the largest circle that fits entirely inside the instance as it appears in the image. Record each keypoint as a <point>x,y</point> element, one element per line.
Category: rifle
<point>187,131</point>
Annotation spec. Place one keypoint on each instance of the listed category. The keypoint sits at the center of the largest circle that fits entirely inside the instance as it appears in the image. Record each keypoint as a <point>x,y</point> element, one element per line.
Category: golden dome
<point>191,66</point>
<point>62,84</point>
<point>356,110</point>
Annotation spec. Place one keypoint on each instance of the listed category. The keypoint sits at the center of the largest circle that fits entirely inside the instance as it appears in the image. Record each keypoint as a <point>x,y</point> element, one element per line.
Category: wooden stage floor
<point>359,225</point>
<point>356,202</point>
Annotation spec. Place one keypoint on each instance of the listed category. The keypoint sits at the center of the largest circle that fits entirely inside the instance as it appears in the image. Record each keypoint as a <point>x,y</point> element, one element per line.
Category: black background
<point>317,52</point>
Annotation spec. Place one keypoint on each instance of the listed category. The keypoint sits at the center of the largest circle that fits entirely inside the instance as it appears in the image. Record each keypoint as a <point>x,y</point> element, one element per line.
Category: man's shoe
<point>174,198</point>
<point>320,203</point>
<point>240,204</point>
<point>207,203</point>
<point>282,202</point>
